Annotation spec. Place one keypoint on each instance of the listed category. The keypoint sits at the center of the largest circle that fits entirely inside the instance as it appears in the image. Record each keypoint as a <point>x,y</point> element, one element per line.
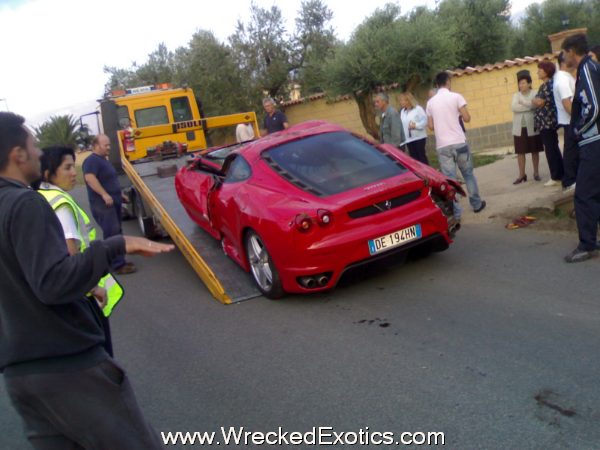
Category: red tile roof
<point>502,65</point>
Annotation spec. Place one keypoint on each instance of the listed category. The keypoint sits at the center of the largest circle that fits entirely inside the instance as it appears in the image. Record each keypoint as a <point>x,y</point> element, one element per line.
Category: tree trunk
<point>413,82</point>
<point>367,113</point>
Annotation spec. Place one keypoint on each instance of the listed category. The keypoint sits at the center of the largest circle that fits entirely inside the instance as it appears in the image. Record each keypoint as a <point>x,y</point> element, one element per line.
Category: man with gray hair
<point>275,120</point>
<point>390,125</point>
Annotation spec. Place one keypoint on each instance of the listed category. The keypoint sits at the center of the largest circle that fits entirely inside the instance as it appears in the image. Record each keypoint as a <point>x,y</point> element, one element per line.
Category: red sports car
<point>299,207</point>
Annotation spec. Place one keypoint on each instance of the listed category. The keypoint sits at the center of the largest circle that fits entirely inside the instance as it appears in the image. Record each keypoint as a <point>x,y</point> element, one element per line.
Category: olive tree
<point>385,49</point>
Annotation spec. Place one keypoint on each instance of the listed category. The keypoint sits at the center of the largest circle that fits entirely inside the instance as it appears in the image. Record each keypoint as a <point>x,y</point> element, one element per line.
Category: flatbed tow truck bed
<point>227,281</point>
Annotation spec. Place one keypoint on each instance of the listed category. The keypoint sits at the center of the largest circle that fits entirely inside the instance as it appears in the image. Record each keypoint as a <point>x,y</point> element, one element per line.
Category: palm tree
<point>57,130</point>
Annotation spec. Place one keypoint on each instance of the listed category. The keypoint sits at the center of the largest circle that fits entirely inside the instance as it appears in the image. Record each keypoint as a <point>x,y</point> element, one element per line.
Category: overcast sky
<point>53,51</point>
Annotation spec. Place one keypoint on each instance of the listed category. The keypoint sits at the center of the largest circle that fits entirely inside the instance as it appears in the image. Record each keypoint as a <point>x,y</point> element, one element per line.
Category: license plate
<point>395,239</point>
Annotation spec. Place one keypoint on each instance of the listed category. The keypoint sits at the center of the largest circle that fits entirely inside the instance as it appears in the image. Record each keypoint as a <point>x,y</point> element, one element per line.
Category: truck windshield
<point>147,117</point>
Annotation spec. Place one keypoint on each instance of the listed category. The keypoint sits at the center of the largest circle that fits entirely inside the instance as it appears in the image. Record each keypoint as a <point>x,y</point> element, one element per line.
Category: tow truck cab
<point>148,106</point>
<point>148,124</point>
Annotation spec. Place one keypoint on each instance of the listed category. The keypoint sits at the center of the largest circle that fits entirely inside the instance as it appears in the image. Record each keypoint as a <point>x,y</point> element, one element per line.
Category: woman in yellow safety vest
<point>58,177</point>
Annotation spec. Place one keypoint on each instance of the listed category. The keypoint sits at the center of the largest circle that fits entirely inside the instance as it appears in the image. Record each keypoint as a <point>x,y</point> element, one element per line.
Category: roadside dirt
<point>506,202</point>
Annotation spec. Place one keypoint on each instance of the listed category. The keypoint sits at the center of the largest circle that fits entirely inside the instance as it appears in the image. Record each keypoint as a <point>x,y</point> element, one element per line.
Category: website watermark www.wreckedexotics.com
<point>317,436</point>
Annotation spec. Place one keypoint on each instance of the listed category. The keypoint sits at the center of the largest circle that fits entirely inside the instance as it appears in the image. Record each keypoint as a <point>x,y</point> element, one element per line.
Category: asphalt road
<point>493,342</point>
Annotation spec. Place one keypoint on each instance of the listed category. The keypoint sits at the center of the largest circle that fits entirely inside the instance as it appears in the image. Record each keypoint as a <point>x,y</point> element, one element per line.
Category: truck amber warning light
<point>140,89</point>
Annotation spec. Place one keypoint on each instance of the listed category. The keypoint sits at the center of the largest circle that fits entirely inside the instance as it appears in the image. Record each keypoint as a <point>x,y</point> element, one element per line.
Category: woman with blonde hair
<point>414,122</point>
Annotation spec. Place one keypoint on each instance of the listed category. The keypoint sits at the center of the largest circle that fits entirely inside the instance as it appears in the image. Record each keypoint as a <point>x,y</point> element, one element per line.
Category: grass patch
<point>558,220</point>
<point>482,160</point>
<point>478,159</point>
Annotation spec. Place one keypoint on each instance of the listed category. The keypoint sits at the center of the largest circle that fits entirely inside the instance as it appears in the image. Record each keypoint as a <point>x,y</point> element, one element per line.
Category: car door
<point>231,199</point>
<point>196,186</point>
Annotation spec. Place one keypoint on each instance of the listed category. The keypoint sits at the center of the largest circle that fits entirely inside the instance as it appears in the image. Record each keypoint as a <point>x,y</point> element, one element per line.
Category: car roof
<point>253,150</point>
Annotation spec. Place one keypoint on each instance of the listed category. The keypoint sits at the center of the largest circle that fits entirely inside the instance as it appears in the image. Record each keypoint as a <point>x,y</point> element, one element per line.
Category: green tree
<point>262,50</point>
<point>479,27</point>
<point>543,19</point>
<point>121,78</point>
<point>158,69</point>
<point>261,57</point>
<point>591,9</point>
<point>314,43</point>
<point>57,130</point>
<point>271,59</point>
<point>387,48</point>
<point>207,66</point>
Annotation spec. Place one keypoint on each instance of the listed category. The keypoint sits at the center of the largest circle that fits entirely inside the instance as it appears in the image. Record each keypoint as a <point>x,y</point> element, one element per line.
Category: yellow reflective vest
<point>56,198</point>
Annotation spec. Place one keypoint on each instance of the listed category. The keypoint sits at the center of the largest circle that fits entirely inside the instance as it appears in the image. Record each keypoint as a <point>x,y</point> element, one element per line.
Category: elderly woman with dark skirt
<point>527,140</point>
<point>546,123</point>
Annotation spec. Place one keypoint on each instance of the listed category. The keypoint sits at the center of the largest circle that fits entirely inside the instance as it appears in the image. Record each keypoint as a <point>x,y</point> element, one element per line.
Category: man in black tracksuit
<point>68,391</point>
<point>585,125</point>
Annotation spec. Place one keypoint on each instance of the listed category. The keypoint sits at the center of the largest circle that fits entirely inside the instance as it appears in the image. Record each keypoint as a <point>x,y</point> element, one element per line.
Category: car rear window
<point>331,163</point>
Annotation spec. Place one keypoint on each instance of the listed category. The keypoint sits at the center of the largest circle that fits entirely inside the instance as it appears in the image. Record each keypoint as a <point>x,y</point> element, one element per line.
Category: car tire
<point>145,223</point>
<point>263,270</point>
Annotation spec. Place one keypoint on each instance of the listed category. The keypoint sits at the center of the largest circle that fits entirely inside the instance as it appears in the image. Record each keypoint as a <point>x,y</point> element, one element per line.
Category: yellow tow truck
<point>155,128</point>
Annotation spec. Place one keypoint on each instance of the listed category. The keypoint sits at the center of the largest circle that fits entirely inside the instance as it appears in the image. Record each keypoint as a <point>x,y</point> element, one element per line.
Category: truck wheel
<point>127,211</point>
<point>262,268</point>
<point>145,223</point>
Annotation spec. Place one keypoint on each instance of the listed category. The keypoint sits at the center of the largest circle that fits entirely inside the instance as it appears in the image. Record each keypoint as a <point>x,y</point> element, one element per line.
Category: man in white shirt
<point>244,132</point>
<point>444,110</point>
<point>564,87</point>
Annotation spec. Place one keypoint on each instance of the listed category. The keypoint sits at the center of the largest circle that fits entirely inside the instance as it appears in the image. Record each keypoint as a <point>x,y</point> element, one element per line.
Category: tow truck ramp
<point>227,281</point>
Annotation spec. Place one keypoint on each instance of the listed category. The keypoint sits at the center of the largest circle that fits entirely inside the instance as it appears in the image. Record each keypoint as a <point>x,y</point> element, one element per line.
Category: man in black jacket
<point>68,391</point>
<point>585,126</point>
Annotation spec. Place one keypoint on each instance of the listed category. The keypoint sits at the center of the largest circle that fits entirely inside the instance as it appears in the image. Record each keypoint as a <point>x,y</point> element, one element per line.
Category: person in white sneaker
<point>563,88</point>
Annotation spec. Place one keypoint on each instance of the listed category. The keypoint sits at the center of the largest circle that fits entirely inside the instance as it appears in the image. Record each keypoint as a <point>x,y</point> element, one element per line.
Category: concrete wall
<point>488,91</point>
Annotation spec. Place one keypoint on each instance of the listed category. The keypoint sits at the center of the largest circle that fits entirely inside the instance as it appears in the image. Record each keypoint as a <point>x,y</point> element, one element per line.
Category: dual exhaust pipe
<point>315,281</point>
<point>453,227</point>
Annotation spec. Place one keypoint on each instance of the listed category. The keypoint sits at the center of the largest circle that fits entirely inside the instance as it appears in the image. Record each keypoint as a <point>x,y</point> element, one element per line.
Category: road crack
<point>544,398</point>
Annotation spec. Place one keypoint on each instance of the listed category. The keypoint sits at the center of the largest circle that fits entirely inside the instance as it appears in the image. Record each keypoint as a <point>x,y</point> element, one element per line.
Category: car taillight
<point>325,217</point>
<point>303,222</point>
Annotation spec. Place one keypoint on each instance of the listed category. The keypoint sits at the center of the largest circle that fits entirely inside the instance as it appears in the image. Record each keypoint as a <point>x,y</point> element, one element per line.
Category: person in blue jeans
<point>444,111</point>
<point>459,156</point>
<point>104,194</point>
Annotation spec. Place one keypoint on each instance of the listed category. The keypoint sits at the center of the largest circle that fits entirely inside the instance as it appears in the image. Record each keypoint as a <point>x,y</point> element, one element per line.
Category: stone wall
<point>487,89</point>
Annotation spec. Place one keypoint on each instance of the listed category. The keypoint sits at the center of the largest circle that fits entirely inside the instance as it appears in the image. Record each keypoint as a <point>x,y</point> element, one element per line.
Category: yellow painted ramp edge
<point>198,264</point>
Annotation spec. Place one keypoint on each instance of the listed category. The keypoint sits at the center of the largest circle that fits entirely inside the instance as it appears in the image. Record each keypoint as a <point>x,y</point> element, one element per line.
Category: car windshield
<point>331,163</point>
<point>219,155</point>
